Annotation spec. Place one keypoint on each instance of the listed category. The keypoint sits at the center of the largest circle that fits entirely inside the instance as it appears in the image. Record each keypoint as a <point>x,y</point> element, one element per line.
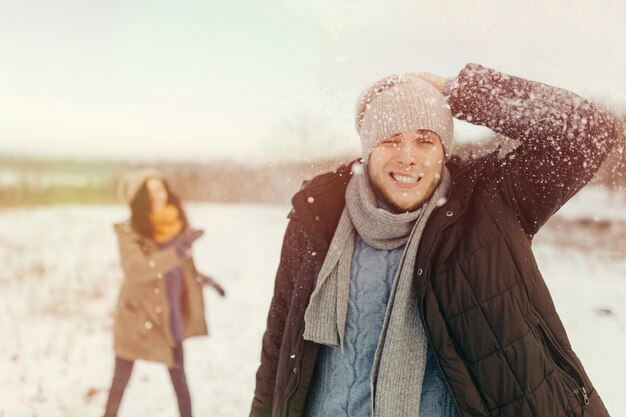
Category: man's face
<point>405,169</point>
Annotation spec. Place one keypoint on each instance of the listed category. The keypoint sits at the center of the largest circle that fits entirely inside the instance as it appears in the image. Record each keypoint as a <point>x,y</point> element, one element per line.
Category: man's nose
<point>407,153</point>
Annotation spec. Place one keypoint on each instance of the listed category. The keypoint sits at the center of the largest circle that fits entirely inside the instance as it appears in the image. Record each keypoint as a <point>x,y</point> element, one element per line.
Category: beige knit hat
<point>131,182</point>
<point>400,103</point>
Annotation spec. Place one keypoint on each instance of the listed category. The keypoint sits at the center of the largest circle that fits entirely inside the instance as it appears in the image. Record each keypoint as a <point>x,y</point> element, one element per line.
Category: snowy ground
<point>60,276</point>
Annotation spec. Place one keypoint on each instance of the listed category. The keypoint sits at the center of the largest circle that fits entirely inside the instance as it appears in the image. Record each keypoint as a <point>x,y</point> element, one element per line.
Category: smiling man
<point>405,169</point>
<point>407,285</point>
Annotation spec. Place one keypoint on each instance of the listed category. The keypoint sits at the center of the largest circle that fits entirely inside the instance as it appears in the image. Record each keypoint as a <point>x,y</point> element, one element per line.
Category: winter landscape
<point>60,278</point>
<point>236,103</point>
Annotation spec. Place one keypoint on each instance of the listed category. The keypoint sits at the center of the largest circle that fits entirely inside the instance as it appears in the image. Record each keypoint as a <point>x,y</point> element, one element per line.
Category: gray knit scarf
<point>400,359</point>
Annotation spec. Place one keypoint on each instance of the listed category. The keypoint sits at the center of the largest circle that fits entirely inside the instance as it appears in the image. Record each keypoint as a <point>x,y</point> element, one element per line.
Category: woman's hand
<point>207,280</point>
<point>189,236</point>
<point>185,240</point>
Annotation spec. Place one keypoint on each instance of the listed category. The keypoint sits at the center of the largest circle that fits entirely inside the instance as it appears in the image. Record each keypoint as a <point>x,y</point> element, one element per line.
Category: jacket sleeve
<point>564,138</point>
<point>141,265</point>
<point>290,257</point>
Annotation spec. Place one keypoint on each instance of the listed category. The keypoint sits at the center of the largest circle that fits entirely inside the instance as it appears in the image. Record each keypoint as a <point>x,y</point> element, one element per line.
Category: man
<point>407,285</point>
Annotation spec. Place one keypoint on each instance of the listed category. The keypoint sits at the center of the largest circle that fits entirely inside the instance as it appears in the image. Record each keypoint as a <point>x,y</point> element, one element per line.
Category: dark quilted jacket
<point>489,316</point>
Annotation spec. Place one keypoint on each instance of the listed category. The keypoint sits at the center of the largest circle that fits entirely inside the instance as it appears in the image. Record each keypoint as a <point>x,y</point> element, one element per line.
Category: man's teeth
<point>405,179</point>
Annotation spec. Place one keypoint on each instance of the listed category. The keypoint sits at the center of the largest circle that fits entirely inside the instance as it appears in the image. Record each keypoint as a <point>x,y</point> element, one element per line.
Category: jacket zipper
<point>443,376</point>
<point>295,387</point>
<point>421,308</point>
<point>553,349</point>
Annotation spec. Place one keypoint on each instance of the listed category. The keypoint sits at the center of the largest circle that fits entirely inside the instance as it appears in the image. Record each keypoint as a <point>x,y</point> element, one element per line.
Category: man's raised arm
<point>564,138</point>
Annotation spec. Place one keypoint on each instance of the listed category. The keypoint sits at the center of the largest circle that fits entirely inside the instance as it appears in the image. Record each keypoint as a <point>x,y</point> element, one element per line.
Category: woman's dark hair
<point>140,210</point>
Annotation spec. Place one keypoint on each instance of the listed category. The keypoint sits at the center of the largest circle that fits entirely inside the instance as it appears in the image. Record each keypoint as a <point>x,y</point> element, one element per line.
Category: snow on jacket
<point>488,314</point>
<point>142,316</point>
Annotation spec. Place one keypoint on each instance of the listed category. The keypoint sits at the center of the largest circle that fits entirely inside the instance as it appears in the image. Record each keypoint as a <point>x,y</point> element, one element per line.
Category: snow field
<point>60,279</point>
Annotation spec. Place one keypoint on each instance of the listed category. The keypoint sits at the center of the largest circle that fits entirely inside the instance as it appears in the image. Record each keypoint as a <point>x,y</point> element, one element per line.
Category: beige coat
<point>142,325</point>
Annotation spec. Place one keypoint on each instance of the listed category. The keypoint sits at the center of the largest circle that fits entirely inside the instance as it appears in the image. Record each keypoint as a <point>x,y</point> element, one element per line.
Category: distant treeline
<point>28,181</point>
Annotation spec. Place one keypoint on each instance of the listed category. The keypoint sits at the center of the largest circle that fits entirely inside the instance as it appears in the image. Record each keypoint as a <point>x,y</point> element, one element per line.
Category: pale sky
<point>265,80</point>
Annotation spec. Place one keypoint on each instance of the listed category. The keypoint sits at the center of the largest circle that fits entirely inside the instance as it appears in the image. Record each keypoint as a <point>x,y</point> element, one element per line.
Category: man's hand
<point>435,80</point>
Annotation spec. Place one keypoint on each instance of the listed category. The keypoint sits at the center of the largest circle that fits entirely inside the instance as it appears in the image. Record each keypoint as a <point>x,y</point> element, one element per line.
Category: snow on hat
<point>131,182</point>
<point>401,103</point>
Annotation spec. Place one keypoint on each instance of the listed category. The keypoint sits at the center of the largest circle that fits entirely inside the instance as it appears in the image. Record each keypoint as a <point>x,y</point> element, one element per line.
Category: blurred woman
<point>160,302</point>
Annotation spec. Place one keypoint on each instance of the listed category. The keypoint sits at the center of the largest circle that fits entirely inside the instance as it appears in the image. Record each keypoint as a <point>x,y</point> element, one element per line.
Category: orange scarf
<point>166,223</point>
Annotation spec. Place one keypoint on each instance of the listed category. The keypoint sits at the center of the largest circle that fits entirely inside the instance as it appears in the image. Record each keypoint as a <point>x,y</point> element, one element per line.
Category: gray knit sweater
<point>341,385</point>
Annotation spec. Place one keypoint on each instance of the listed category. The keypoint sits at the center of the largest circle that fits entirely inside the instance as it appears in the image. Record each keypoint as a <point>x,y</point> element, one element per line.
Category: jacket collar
<point>319,203</point>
